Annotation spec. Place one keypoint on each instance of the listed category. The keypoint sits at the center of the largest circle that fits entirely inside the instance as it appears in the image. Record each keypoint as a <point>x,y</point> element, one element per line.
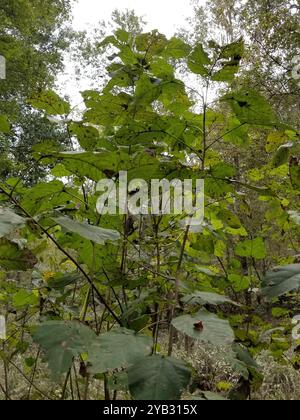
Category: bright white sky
<point>164,15</point>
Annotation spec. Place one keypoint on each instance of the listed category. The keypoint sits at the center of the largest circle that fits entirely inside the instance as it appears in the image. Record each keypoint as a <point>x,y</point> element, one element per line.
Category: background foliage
<point>109,301</point>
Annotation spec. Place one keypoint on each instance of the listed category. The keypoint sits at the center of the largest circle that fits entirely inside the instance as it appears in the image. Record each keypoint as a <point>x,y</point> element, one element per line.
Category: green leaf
<point>13,258</point>
<point>294,166</point>
<point>93,233</point>
<point>280,312</point>
<point>242,362</point>
<point>158,378</point>
<point>202,298</point>
<point>229,59</point>
<point>229,219</point>
<point>87,136</point>
<point>223,170</point>
<point>50,102</point>
<point>92,165</point>
<point>162,69</point>
<point>118,349</point>
<point>215,330</point>
<point>127,55</point>
<point>25,298</point>
<point>9,221</point>
<point>109,40</point>
<point>4,124</point>
<point>281,280</point>
<point>60,281</point>
<point>197,61</point>
<point>236,132</point>
<point>153,43</point>
<point>239,283</point>
<point>147,90</point>
<point>263,191</point>
<point>282,155</point>
<point>209,396</point>
<point>62,341</point>
<point>226,74</point>
<point>122,35</point>
<point>251,108</point>
<point>106,109</point>
<point>44,196</point>
<point>255,248</point>
<point>235,49</point>
<point>274,140</point>
<point>176,49</point>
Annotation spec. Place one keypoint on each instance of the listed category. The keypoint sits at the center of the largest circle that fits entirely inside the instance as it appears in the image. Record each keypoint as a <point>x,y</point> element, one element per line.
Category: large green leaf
<point>147,90</point>
<point>117,349</point>
<point>226,74</point>
<point>60,281</point>
<point>215,330</point>
<point>93,233</point>
<point>197,61</point>
<point>229,219</point>
<point>9,221</point>
<point>153,43</point>
<point>14,258</point>
<point>281,281</point>
<point>62,341</point>
<point>233,50</point>
<point>202,298</point>
<point>241,361</point>
<point>255,248</point>
<point>93,165</point>
<point>236,132</point>
<point>158,378</point>
<point>107,109</point>
<point>50,102</point>
<point>25,298</point>
<point>232,53</point>
<point>252,108</point>
<point>176,48</point>
<point>87,135</point>
<point>44,196</point>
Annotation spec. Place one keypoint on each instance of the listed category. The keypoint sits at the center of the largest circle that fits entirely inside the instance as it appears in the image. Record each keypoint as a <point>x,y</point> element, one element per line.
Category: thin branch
<point>89,280</point>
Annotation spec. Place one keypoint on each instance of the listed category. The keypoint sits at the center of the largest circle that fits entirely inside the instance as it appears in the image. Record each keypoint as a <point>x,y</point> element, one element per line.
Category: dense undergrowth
<point>127,306</point>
